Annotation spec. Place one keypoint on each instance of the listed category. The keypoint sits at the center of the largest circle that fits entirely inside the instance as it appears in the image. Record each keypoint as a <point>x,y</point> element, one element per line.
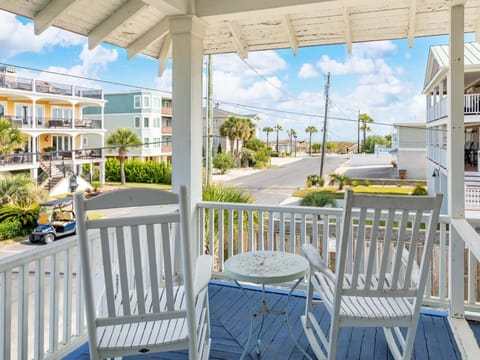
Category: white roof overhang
<point>232,26</point>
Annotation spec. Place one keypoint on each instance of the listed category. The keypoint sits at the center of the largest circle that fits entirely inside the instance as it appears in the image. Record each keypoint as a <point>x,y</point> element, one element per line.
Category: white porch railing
<point>41,310</point>
<point>440,109</point>
<point>472,197</point>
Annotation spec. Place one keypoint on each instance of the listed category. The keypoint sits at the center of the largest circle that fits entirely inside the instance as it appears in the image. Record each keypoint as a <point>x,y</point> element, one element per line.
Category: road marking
<point>11,251</point>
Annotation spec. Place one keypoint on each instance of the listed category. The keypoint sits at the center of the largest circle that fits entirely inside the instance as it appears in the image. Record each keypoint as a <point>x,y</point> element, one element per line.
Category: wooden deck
<point>230,325</point>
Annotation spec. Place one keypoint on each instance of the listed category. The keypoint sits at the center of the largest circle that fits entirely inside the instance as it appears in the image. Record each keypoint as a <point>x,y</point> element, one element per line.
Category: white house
<point>408,141</point>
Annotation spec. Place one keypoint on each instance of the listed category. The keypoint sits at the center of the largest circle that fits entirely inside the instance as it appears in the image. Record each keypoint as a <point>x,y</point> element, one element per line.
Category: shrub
<point>223,162</point>
<point>355,182</point>
<point>10,229</point>
<point>86,172</point>
<point>367,183</point>
<point>151,172</point>
<point>254,144</point>
<point>319,199</point>
<point>222,193</point>
<point>419,189</point>
<point>339,179</point>
<point>262,156</point>
<point>315,180</point>
<point>25,214</point>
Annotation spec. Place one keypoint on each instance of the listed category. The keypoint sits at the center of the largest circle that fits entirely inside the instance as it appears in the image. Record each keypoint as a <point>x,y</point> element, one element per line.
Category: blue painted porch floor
<point>230,323</point>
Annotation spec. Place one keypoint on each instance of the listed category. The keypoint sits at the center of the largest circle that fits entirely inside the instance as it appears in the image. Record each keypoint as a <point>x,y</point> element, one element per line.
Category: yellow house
<point>60,140</point>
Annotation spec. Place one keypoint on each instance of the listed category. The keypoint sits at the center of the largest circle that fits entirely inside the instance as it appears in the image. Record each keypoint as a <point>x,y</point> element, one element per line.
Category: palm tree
<point>291,134</point>
<point>229,130</point>
<point>278,128</point>
<point>11,138</point>
<point>364,121</point>
<point>310,130</point>
<point>267,130</point>
<point>245,130</point>
<point>123,138</point>
<point>20,189</point>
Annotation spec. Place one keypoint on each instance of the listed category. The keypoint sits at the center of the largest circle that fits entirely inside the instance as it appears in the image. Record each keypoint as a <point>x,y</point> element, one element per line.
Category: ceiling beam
<point>412,18</point>
<point>238,40</point>
<point>477,27</point>
<point>114,20</point>
<point>150,36</point>
<point>170,7</point>
<point>47,15</point>
<point>292,37</point>
<point>348,30</point>
<point>164,53</point>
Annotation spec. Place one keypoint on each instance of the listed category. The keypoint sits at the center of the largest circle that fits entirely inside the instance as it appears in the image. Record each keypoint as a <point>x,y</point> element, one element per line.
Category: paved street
<point>273,186</point>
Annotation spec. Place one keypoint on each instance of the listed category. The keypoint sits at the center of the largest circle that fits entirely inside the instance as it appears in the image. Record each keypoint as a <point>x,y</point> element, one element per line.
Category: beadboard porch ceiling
<point>142,26</point>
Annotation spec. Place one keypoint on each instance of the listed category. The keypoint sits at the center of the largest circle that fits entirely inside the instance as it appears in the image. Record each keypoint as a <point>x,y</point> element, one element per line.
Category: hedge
<point>150,172</point>
<point>10,229</point>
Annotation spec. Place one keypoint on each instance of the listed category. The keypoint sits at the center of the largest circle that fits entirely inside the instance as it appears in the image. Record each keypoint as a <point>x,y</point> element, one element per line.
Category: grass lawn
<point>381,190</point>
<point>144,185</point>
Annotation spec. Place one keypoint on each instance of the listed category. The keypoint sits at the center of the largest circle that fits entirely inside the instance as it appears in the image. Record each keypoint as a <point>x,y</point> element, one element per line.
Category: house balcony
<point>166,130</point>
<point>167,148</point>
<point>166,111</point>
<point>27,122</point>
<point>48,87</point>
<point>42,309</point>
<point>471,108</point>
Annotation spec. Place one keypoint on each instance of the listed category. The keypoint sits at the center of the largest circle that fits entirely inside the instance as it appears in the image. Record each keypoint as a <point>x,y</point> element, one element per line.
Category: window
<point>166,103</point>
<point>62,113</point>
<point>84,142</point>
<point>3,106</point>
<point>137,102</point>
<point>156,122</point>
<point>156,102</point>
<point>166,121</point>
<point>146,122</point>
<point>156,142</point>
<point>146,143</point>
<point>137,121</point>
<point>62,143</point>
<point>146,101</point>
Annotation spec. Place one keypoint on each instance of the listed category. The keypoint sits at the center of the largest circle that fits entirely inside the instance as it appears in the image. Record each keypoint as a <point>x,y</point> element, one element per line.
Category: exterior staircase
<point>55,175</point>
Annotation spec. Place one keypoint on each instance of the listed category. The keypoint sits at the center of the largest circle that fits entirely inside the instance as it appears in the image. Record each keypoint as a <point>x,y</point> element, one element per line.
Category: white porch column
<point>455,153</point>
<point>187,42</point>
<point>103,151</point>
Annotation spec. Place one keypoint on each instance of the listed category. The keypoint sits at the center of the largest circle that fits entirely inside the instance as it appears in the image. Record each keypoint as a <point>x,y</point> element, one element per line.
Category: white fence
<point>371,159</point>
<point>472,197</point>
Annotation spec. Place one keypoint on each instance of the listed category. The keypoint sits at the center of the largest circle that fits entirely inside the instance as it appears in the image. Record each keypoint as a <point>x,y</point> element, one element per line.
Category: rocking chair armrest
<point>313,257</point>
<point>203,273</point>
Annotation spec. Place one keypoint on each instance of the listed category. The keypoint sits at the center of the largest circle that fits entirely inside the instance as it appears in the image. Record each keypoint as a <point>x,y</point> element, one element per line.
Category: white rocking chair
<point>136,301</point>
<point>378,281</point>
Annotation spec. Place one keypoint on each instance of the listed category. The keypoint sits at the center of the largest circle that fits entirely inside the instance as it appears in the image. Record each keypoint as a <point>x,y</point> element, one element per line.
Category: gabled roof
<point>240,26</point>
<point>437,63</point>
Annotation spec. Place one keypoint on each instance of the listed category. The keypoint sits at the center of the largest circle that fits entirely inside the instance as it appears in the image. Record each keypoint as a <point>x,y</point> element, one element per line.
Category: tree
<point>291,134</point>
<point>310,130</point>
<point>267,130</point>
<point>229,130</point>
<point>11,138</point>
<point>278,128</point>
<point>123,139</point>
<point>371,141</point>
<point>237,129</point>
<point>364,121</point>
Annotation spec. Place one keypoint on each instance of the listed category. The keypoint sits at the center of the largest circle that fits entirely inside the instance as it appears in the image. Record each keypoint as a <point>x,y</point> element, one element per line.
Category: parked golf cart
<point>55,219</point>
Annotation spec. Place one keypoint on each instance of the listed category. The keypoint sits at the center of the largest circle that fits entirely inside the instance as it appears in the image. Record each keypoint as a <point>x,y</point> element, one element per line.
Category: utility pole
<point>327,87</point>
<point>358,133</point>
<point>209,122</point>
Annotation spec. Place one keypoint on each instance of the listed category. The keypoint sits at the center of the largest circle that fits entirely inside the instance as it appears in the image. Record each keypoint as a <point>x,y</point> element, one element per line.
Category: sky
<point>383,79</point>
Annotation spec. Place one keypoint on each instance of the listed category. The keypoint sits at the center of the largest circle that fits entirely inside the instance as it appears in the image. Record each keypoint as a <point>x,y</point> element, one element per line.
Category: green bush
<point>419,189</point>
<point>86,172</point>
<point>10,229</point>
<point>223,162</point>
<point>254,144</point>
<point>367,183</point>
<point>25,214</point>
<point>355,182</point>
<point>221,193</point>
<point>150,172</point>
<point>262,156</point>
<point>319,199</point>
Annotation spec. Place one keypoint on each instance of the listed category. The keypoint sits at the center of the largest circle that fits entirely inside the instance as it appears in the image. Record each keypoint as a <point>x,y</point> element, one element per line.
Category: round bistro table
<point>266,267</point>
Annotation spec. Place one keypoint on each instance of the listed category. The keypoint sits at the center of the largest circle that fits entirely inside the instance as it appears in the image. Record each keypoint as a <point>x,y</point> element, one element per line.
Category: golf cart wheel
<point>48,239</point>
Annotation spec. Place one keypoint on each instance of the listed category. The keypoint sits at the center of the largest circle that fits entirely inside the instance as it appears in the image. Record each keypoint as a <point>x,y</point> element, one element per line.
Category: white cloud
<point>353,65</point>
<point>16,37</point>
<point>93,61</point>
<point>264,62</point>
<point>164,83</point>
<point>307,71</point>
<point>373,49</point>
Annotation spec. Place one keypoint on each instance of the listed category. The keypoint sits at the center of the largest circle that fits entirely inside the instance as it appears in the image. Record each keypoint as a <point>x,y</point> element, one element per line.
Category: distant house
<point>436,90</point>
<point>59,139</point>
<point>219,117</point>
<point>149,114</point>
<point>408,141</point>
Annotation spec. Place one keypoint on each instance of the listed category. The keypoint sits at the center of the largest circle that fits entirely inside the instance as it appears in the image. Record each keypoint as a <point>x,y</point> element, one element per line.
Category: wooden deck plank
<point>230,321</point>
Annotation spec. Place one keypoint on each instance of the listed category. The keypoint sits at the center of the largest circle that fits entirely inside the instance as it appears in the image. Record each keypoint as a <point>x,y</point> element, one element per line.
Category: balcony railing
<point>440,108</point>
<point>48,87</point>
<point>45,122</point>
<point>167,130</point>
<point>41,309</point>
<point>16,159</point>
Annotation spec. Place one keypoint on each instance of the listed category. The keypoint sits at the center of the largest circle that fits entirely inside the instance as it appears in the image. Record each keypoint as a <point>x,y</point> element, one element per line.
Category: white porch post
<point>187,43</point>
<point>455,139</point>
